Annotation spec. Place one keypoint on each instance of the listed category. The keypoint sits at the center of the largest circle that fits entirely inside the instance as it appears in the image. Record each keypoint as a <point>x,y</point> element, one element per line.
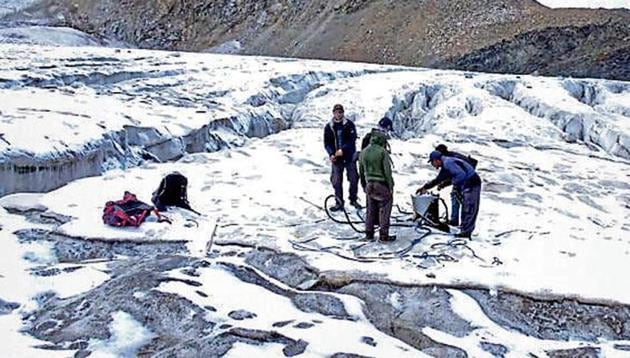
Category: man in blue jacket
<point>340,136</point>
<point>464,179</point>
<point>456,196</point>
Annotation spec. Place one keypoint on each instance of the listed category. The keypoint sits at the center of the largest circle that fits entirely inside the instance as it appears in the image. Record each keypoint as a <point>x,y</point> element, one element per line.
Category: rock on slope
<point>580,51</point>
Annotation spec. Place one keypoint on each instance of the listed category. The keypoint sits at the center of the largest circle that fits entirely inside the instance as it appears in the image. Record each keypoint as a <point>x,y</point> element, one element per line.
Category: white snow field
<point>47,36</point>
<point>592,4</point>
<point>11,6</point>
<point>553,155</point>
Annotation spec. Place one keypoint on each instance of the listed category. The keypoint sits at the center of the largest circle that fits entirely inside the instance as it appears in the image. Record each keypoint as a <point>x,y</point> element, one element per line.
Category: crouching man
<point>375,170</point>
<point>464,179</point>
<point>456,197</point>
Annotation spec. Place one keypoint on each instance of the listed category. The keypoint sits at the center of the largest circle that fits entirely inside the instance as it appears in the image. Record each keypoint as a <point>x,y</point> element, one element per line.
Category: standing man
<point>340,136</point>
<point>456,196</point>
<point>465,179</point>
<point>375,167</point>
<point>385,125</point>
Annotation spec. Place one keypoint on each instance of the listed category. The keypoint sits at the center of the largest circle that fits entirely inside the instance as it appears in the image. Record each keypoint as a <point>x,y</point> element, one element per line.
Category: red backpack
<point>128,212</point>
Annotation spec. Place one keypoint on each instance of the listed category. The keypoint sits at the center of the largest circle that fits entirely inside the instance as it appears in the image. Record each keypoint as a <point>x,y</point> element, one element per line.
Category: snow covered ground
<point>246,131</point>
<point>12,6</point>
<point>593,4</point>
<point>31,29</point>
<point>46,35</point>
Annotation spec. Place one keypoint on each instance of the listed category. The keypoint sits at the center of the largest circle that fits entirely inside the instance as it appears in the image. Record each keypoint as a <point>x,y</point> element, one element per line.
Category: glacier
<point>263,271</point>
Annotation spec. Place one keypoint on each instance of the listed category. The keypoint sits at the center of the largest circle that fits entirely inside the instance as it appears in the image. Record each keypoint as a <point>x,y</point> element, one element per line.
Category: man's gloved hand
<point>421,190</point>
<point>441,186</point>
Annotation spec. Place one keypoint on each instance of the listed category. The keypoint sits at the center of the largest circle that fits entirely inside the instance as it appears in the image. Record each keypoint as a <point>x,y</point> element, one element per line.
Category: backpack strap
<point>460,164</point>
<point>161,218</point>
<point>162,187</point>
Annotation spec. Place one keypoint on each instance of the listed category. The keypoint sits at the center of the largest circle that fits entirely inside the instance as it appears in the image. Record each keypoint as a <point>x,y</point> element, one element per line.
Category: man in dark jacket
<point>465,179</point>
<point>375,168</point>
<point>456,196</point>
<point>340,136</point>
<point>385,125</point>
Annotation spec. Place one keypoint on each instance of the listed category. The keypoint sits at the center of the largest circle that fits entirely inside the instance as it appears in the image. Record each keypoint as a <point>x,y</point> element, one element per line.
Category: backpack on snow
<point>172,191</point>
<point>128,212</point>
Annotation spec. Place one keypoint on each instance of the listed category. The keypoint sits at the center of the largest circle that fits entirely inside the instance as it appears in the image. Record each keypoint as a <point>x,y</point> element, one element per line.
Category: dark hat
<point>434,156</point>
<point>442,149</point>
<point>386,123</point>
<point>338,107</point>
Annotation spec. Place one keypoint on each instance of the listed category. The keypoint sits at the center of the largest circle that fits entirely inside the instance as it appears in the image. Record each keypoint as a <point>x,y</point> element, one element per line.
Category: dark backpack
<point>472,161</point>
<point>172,192</point>
<point>127,212</point>
<point>467,158</point>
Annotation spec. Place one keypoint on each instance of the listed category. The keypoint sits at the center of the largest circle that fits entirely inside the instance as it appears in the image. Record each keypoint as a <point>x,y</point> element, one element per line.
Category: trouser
<point>470,208</point>
<point>379,207</point>
<point>367,198</point>
<point>455,206</point>
<point>336,178</point>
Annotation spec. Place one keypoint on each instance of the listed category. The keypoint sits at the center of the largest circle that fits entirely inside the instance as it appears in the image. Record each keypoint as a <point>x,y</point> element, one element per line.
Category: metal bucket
<point>422,202</point>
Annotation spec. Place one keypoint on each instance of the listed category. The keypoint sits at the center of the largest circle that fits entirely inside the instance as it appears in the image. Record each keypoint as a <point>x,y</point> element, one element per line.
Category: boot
<point>356,204</point>
<point>387,238</point>
<point>464,235</point>
<point>369,236</point>
<point>337,207</point>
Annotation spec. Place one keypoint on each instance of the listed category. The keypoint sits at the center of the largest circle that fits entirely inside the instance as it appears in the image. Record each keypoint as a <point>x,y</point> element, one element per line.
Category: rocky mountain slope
<point>581,51</point>
<point>439,33</point>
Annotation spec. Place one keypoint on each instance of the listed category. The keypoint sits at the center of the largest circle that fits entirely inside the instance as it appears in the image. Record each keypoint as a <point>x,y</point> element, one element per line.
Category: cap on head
<point>386,124</point>
<point>442,149</point>
<point>435,155</point>
<point>338,107</point>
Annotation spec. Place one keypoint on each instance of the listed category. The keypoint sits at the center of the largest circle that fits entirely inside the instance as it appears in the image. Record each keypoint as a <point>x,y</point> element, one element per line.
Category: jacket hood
<point>332,122</point>
<point>378,138</point>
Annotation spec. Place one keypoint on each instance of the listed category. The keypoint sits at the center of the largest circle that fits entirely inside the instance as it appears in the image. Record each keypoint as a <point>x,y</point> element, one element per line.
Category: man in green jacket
<point>375,168</point>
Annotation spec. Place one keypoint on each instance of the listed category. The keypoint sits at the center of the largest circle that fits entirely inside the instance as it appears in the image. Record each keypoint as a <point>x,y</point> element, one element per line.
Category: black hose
<point>445,216</point>
<point>394,217</point>
<point>423,231</point>
<point>350,221</point>
<point>402,252</point>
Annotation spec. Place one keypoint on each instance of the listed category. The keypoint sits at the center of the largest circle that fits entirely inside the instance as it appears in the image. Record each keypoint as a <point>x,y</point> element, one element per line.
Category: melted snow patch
<point>488,331</point>
<point>19,285</point>
<point>325,335</point>
<point>16,344</point>
<point>240,350</point>
<point>127,336</point>
<point>230,47</point>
